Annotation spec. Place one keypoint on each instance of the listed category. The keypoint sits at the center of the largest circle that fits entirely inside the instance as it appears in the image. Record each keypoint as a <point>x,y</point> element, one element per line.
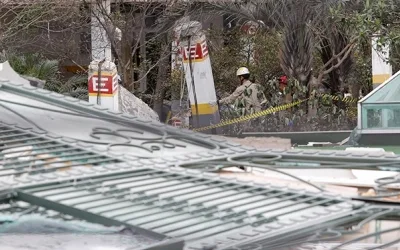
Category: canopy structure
<point>379,111</point>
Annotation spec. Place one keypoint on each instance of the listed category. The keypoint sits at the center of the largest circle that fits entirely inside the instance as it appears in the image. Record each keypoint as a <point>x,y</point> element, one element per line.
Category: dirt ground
<point>263,142</point>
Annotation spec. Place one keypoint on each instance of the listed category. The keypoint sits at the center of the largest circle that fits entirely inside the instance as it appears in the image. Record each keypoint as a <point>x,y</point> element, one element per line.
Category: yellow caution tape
<point>252,116</point>
<point>339,98</point>
<point>273,110</point>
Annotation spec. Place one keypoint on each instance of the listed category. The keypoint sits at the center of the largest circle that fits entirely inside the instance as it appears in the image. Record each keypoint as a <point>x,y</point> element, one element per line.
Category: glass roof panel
<point>390,92</point>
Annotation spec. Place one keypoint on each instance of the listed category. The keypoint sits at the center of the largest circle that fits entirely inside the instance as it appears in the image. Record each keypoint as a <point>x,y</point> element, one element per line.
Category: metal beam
<point>303,138</point>
<point>173,244</point>
<point>6,195</point>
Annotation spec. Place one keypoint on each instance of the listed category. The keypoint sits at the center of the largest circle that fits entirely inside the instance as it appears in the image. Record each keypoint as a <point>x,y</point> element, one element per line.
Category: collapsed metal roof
<point>104,167</point>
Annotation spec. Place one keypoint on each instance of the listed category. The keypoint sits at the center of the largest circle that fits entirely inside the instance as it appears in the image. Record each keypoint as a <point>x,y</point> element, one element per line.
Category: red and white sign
<point>108,84</point>
<point>197,52</point>
<point>175,122</point>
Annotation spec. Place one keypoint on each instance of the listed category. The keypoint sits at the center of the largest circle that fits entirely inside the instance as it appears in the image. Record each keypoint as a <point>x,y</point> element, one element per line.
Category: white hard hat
<point>242,71</point>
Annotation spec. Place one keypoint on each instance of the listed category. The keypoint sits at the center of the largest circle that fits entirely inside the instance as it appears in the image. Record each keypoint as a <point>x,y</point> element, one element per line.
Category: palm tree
<point>305,26</point>
<point>37,66</point>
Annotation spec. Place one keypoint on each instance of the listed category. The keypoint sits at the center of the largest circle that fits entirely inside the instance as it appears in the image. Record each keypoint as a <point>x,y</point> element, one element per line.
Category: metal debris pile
<point>174,194</point>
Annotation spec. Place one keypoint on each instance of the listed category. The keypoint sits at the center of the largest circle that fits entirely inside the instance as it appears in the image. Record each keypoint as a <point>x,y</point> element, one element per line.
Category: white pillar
<point>103,92</point>
<point>198,74</point>
<point>381,69</point>
<point>101,46</point>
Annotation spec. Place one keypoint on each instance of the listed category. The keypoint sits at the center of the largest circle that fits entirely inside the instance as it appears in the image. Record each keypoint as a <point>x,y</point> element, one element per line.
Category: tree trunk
<point>330,47</point>
<point>161,79</point>
<point>127,42</point>
<point>355,89</point>
<point>312,104</point>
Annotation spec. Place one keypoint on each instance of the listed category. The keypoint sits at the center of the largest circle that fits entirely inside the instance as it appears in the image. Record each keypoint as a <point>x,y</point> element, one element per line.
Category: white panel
<point>202,72</point>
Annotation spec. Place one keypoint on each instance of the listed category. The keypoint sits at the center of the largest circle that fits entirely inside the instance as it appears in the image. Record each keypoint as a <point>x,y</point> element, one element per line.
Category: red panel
<point>106,84</point>
<point>197,51</point>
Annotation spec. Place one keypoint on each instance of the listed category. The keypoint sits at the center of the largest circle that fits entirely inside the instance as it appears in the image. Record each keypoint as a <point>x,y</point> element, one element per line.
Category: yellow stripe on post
<point>102,94</point>
<point>378,79</point>
<point>204,109</point>
<point>195,60</point>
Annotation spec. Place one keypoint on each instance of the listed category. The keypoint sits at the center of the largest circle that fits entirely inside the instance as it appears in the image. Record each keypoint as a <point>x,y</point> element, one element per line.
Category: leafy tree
<point>226,58</point>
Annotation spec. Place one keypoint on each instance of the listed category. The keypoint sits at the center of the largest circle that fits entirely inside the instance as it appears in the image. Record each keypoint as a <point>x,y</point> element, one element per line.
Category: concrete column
<point>381,69</point>
<point>103,88</point>
<point>101,46</point>
<point>198,75</point>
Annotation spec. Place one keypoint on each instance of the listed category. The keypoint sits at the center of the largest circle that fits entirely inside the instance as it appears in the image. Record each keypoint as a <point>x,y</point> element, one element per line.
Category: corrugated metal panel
<point>23,152</point>
<point>204,143</point>
<point>191,207</point>
<point>71,117</point>
<point>43,228</point>
<point>101,185</point>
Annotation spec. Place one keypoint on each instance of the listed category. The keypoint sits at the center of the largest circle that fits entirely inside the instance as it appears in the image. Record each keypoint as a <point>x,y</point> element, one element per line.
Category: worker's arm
<point>235,95</point>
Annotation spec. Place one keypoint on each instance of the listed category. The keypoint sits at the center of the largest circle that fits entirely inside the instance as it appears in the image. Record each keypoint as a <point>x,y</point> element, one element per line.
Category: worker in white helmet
<point>248,97</point>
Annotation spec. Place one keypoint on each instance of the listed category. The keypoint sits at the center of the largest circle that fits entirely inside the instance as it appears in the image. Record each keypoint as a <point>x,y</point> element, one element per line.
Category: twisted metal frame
<point>276,162</point>
<point>164,176</point>
<point>329,233</point>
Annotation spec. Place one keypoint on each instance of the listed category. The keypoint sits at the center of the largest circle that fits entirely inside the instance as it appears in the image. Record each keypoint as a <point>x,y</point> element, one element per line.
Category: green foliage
<point>266,64</point>
<point>177,80</point>
<point>361,72</point>
<point>154,52</point>
<point>347,26</point>
<point>227,58</point>
<point>378,17</point>
<point>266,70</point>
<point>35,65</point>
<point>75,86</point>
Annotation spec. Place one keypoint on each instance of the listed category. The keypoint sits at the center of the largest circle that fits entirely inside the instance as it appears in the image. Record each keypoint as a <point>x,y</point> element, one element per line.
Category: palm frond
<point>296,55</point>
<point>73,83</point>
<point>33,65</point>
<point>267,11</point>
<point>37,66</point>
<point>79,93</point>
<point>46,69</point>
